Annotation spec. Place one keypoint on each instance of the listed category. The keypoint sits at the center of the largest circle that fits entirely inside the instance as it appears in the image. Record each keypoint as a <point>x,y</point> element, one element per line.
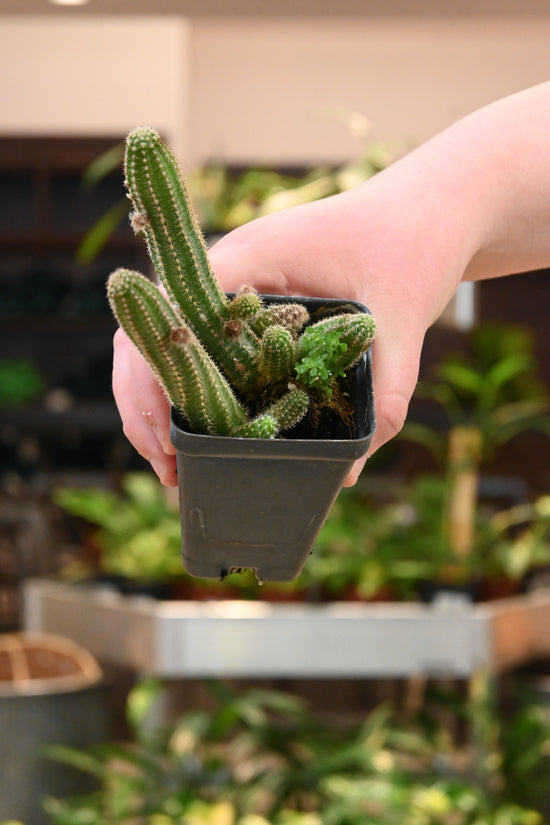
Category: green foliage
<point>488,396</point>
<point>224,363</point>
<point>225,199</point>
<point>262,758</point>
<point>101,231</point>
<point>20,381</point>
<point>327,349</point>
<point>319,359</point>
<point>517,540</point>
<point>395,544</point>
<point>371,546</point>
<point>525,755</point>
<point>138,530</point>
<point>494,387</point>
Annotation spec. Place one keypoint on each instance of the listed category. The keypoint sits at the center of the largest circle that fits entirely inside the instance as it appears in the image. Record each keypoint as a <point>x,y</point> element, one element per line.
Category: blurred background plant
<point>370,548</point>
<point>487,397</point>
<point>225,198</point>
<point>133,540</point>
<point>20,381</point>
<point>263,757</point>
<point>493,388</point>
<point>136,533</point>
<point>397,550</point>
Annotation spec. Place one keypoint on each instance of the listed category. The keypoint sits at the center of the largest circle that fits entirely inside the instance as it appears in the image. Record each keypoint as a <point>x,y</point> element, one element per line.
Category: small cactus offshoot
<point>232,366</point>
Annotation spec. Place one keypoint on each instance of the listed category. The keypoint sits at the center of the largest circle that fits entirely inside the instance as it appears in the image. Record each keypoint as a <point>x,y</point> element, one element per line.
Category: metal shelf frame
<point>240,639</point>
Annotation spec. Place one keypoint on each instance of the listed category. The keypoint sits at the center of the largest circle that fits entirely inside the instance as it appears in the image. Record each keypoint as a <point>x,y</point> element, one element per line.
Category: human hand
<point>331,248</point>
<point>472,202</point>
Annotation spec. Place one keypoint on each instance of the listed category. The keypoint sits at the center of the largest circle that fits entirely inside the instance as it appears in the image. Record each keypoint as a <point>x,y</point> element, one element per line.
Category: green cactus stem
<point>276,355</point>
<point>190,378</point>
<point>291,408</point>
<point>292,316</point>
<point>245,305</point>
<point>232,366</point>
<point>264,426</point>
<point>284,414</point>
<point>211,406</point>
<point>164,215</point>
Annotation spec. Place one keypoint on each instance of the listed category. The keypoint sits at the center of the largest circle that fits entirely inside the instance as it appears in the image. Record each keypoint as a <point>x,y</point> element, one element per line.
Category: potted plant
<point>240,371</point>
<point>488,397</point>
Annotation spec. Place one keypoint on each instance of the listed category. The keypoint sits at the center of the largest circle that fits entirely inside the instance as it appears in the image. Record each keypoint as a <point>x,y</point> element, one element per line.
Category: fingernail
<point>164,440</point>
<point>159,467</point>
<point>166,473</point>
<point>160,434</point>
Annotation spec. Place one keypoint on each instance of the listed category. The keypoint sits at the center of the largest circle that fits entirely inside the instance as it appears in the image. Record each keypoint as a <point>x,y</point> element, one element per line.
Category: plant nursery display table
<point>254,639</point>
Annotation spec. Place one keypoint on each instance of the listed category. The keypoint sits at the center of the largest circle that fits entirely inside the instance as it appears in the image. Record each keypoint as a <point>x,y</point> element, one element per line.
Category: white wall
<point>264,89</point>
<point>248,90</point>
<point>93,75</point>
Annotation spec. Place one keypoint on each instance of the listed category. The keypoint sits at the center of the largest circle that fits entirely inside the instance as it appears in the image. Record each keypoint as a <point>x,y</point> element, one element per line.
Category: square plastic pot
<point>259,503</point>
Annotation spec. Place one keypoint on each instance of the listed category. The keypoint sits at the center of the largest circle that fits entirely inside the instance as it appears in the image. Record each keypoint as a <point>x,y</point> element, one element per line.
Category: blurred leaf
<point>82,760</point>
<point>20,381</point>
<point>139,530</point>
<point>141,701</point>
<point>97,236</point>
<point>103,165</point>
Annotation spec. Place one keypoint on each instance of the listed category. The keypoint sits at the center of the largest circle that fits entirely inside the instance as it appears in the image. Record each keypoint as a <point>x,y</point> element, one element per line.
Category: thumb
<point>244,256</point>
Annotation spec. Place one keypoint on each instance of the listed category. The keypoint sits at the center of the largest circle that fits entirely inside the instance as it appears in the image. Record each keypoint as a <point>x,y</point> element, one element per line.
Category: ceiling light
<point>69,2</point>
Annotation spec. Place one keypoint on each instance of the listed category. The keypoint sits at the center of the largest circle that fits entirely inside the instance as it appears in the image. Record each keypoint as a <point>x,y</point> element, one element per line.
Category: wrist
<point>419,234</point>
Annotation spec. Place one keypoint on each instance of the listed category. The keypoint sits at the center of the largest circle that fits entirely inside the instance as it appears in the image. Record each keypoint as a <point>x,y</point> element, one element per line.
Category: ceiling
<point>265,8</point>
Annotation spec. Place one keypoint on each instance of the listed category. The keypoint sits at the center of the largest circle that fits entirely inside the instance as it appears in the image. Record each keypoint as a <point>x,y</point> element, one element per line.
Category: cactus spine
<point>277,354</point>
<point>163,214</point>
<point>191,379</point>
<point>231,366</point>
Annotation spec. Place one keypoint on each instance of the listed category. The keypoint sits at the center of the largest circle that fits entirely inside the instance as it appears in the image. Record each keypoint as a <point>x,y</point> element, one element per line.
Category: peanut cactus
<point>231,366</point>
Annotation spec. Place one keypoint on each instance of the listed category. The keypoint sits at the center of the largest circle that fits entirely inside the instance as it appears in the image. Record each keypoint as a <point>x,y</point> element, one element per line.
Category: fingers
<point>143,408</point>
<point>396,358</point>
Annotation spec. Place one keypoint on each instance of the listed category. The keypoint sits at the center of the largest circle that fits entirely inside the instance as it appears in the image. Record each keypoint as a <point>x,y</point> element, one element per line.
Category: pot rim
<point>322,449</point>
<point>329,449</point>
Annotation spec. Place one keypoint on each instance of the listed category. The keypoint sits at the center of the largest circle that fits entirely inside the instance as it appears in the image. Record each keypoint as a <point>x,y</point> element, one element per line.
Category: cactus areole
<point>246,375</point>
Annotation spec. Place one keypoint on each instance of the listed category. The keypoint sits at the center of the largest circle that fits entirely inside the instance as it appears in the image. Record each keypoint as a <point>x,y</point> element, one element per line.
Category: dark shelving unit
<point>53,309</point>
<point>55,320</point>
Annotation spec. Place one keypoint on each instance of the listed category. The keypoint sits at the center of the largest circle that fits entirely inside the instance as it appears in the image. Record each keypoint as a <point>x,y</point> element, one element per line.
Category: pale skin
<point>472,203</point>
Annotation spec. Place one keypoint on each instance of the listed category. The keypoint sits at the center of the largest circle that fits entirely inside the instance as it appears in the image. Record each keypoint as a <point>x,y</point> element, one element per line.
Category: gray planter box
<point>225,639</point>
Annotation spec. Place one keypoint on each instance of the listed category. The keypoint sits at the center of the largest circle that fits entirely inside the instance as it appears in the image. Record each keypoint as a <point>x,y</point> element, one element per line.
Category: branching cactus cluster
<point>233,366</point>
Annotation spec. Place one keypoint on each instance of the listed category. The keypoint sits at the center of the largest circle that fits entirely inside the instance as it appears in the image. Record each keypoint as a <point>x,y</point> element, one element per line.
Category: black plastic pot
<point>257,503</point>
